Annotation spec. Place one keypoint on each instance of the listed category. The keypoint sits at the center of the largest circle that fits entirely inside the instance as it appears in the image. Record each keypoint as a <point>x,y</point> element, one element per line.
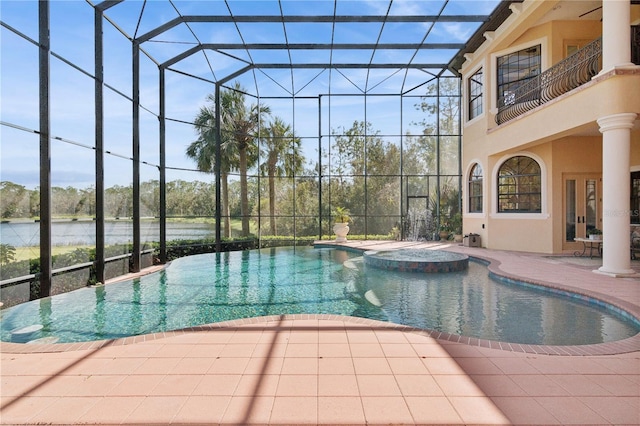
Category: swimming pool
<point>217,287</point>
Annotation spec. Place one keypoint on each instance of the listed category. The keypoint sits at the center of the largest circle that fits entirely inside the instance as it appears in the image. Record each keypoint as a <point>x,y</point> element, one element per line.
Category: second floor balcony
<point>574,71</point>
<point>568,74</point>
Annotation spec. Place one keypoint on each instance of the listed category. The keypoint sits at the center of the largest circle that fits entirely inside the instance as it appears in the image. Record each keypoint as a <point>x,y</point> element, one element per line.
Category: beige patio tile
<point>418,385</point>
<point>579,385</point>
<point>338,385</point>
<point>217,385</point>
<point>304,336</point>
<point>202,410</point>
<point>275,337</point>
<point>524,410</point>
<point>237,350</point>
<point>140,385</point>
<point>497,385</point>
<point>257,384</point>
<point>300,366</point>
<point>297,385</point>
<point>171,350</point>
<point>432,410</point>
<point>619,385</point>
<point>539,385</point>
<point>81,367</point>
<point>371,350</point>
<point>457,385</point>
<point>57,386</point>
<point>619,366</point>
<point>615,410</point>
<point>398,350</point>
<point>111,409</point>
<point>228,366</point>
<point>156,409</point>
<point>243,335</point>
<point>340,410</point>
<point>371,366</point>
<point>21,410</point>
<point>333,336</point>
<point>478,410</point>
<point>361,336</point>
<point>65,410</point>
<point>21,385</point>
<point>570,410</point>
<point>302,350</point>
<point>377,385</point>
<point>157,365</point>
<point>442,366</point>
<point>264,350</point>
<point>208,350</point>
<point>297,410</point>
<point>407,366</point>
<point>514,365</point>
<point>335,366</point>
<point>215,337</point>
<point>192,366</point>
<point>430,350</point>
<point>95,385</point>
<point>177,384</point>
<point>334,350</point>
<point>123,365</point>
<point>391,336</point>
<point>271,365</point>
<point>386,410</point>
<point>478,366</point>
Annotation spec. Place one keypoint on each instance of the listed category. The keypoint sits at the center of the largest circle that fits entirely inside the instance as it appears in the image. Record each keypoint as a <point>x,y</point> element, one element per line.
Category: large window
<point>475,94</point>
<point>515,69</point>
<point>475,189</point>
<point>519,186</point>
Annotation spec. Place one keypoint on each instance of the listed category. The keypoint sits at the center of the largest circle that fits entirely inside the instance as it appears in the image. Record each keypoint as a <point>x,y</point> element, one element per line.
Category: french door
<point>582,206</point>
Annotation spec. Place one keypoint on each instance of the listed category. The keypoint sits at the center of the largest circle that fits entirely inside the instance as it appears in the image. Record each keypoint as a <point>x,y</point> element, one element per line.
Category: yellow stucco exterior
<point>562,135</point>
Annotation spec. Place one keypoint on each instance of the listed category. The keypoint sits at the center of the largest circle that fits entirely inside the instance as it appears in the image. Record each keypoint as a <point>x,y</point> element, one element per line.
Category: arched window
<point>475,189</point>
<point>519,186</point>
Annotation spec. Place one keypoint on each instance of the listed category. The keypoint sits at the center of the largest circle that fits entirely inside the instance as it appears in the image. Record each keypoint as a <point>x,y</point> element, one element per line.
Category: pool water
<point>217,287</point>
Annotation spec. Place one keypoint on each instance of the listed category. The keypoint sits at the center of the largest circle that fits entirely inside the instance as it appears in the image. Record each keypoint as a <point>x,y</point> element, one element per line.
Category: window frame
<point>477,183</point>
<point>516,182</point>
<point>493,78</point>
<point>473,97</point>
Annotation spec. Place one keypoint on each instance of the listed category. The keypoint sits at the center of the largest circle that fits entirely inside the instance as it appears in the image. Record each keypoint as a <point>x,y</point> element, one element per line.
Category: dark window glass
<point>475,94</point>
<point>519,186</point>
<point>635,197</point>
<point>515,69</point>
<point>475,189</point>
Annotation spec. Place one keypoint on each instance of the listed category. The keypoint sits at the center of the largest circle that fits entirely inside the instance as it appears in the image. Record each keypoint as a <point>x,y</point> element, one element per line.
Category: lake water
<point>27,234</point>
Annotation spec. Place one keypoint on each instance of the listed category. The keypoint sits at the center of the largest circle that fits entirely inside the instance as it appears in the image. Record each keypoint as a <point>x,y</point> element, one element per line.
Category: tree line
<point>361,171</point>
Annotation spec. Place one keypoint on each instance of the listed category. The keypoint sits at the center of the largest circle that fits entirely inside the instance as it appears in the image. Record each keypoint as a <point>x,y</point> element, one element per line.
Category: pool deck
<point>324,369</point>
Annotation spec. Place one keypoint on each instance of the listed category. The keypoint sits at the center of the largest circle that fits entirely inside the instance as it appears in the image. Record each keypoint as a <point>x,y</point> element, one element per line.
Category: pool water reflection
<point>223,286</point>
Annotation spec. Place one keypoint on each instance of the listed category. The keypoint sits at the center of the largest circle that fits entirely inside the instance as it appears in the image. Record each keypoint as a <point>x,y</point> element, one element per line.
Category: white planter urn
<point>341,230</point>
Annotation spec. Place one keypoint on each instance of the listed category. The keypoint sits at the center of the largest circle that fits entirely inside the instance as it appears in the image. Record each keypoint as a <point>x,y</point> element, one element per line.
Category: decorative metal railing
<point>566,75</point>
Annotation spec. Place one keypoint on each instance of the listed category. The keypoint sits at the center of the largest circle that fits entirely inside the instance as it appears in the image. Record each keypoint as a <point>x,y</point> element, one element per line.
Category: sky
<point>189,81</point>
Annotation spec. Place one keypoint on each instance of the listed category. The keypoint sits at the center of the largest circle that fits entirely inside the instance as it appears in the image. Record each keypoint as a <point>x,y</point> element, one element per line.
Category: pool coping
<point>627,345</point>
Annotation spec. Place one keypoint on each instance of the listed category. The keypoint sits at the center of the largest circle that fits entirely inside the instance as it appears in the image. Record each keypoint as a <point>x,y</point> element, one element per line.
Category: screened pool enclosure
<point>134,132</point>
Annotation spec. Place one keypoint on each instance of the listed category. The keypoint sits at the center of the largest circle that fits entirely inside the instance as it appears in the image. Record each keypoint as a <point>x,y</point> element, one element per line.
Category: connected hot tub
<point>417,260</point>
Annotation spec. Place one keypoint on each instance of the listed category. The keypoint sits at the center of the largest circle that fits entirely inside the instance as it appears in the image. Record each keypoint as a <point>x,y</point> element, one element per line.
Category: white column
<point>616,34</point>
<point>616,154</point>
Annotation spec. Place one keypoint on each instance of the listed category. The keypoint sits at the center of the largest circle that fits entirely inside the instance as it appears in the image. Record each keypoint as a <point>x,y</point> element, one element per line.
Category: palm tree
<point>203,150</point>
<point>283,158</point>
<point>239,126</point>
<point>242,124</point>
